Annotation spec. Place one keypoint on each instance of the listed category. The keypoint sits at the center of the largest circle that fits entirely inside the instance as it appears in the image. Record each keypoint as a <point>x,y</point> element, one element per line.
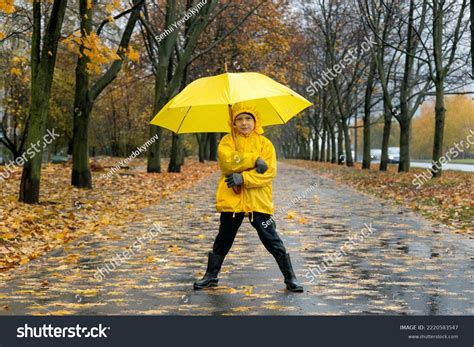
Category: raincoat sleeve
<point>232,161</point>
<point>253,179</point>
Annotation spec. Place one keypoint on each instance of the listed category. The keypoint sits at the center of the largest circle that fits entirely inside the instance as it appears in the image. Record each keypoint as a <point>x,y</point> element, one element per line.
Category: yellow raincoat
<point>238,153</point>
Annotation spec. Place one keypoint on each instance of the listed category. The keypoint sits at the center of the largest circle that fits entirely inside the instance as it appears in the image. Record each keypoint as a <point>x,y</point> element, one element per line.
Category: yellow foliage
<point>266,45</point>
<point>93,48</point>
<point>459,119</point>
<point>133,55</point>
<point>303,220</point>
<point>7,6</point>
<point>114,5</point>
<point>15,71</point>
<point>73,41</point>
<point>2,35</point>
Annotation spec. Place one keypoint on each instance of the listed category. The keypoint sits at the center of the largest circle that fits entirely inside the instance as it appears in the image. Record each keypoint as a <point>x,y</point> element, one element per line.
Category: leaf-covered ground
<point>449,199</point>
<point>66,213</point>
<point>404,265</point>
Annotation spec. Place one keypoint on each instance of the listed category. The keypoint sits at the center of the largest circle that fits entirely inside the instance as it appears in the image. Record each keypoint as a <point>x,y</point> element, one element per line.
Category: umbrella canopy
<point>203,106</point>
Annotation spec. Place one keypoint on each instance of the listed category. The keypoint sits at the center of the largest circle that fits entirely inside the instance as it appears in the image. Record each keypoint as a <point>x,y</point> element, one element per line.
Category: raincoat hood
<point>239,109</point>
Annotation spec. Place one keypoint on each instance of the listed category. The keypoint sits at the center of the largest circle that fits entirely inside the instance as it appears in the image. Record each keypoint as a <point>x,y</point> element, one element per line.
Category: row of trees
<point>101,40</point>
<point>130,58</point>
<point>459,119</point>
<point>420,49</point>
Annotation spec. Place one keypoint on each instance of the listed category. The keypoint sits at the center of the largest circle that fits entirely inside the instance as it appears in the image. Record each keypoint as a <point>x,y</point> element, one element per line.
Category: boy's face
<point>244,123</point>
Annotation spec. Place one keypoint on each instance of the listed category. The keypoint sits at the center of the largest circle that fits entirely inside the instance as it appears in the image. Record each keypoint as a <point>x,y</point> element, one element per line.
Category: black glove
<point>261,165</point>
<point>234,179</point>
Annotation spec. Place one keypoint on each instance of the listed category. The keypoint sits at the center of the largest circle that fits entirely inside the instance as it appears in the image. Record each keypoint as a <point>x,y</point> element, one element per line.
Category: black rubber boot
<point>284,263</point>
<point>213,267</point>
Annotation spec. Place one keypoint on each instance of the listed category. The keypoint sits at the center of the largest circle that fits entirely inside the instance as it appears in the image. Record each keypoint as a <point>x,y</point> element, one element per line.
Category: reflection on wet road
<point>354,254</point>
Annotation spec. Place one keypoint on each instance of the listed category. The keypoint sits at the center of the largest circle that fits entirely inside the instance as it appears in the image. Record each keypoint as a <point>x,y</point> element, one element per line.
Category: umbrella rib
<point>278,113</point>
<point>182,120</point>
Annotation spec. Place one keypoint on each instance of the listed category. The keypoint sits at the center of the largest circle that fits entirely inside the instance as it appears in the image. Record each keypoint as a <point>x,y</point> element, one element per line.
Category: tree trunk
<point>367,105</point>
<point>323,145</point>
<point>356,138</point>
<point>207,143</point>
<point>333,146</point>
<point>160,97</point>
<point>302,148</point>
<point>404,119</point>
<point>42,66</point>
<point>405,129</point>
<point>200,140</point>
<point>440,112</point>
<point>328,145</point>
<point>366,156</point>
<point>213,147</point>
<point>154,151</point>
<point>340,145</point>
<point>30,179</point>
<point>176,157</point>
<point>81,174</point>
<point>315,148</point>
<point>387,126</point>
<point>347,144</point>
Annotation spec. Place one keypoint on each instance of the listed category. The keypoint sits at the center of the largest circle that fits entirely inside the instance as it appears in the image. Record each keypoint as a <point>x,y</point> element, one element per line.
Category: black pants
<point>229,226</point>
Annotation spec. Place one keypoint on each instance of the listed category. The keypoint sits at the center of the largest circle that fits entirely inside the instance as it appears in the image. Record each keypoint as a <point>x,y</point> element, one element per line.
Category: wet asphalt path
<point>401,264</point>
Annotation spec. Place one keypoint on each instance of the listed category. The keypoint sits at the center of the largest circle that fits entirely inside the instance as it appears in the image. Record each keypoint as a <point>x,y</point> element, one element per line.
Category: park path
<point>404,265</point>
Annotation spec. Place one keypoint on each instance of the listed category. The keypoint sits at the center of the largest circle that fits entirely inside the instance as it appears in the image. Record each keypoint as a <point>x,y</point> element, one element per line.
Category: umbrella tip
<point>225,67</point>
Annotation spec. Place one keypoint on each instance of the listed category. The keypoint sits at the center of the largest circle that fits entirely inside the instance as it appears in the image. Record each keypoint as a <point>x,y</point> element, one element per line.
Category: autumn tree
<point>44,45</point>
<point>168,69</point>
<point>171,55</point>
<point>398,31</point>
<point>91,55</point>
<point>345,63</point>
<point>121,112</point>
<point>445,44</point>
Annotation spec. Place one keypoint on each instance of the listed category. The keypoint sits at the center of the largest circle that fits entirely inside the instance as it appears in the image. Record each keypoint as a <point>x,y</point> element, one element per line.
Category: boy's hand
<point>234,179</point>
<point>261,165</point>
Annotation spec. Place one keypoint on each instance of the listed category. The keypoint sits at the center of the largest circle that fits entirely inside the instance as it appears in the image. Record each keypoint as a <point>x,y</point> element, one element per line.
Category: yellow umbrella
<point>203,106</point>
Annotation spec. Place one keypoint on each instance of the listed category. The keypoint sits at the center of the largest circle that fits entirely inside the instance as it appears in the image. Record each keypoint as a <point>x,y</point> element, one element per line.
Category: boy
<point>248,163</point>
